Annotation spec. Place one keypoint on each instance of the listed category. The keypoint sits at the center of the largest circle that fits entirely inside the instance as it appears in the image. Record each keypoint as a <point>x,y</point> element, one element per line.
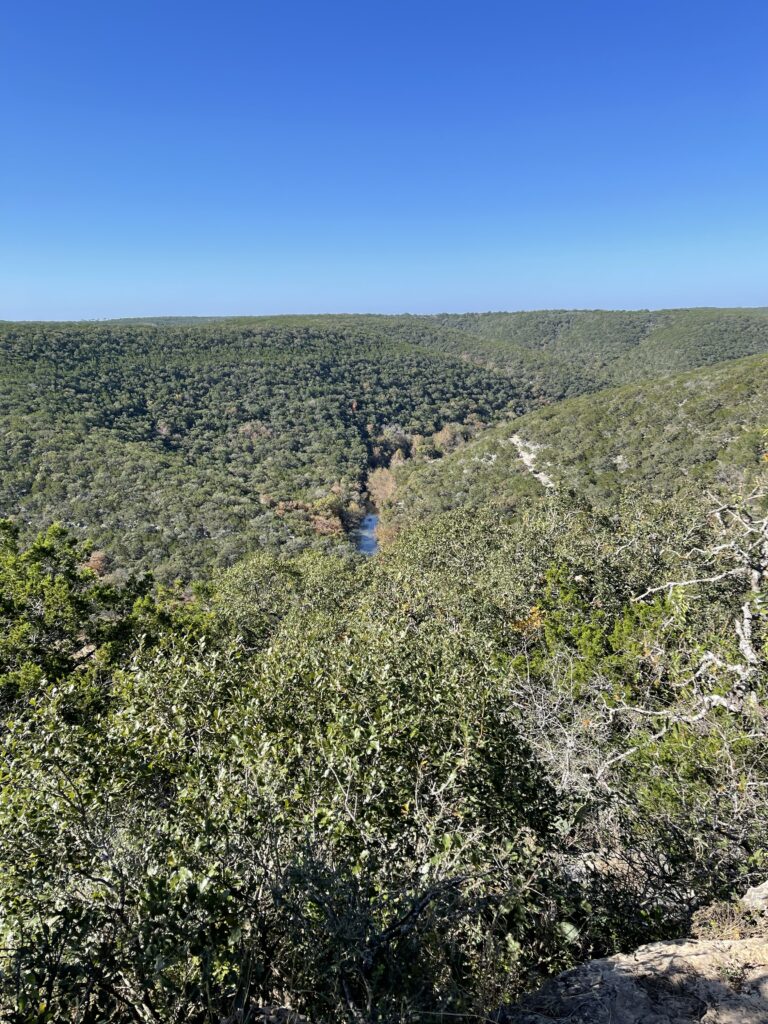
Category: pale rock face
<point>756,898</point>
<point>527,453</point>
<point>712,982</point>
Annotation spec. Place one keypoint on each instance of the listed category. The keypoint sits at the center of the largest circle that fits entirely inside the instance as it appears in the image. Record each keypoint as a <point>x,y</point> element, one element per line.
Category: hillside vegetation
<point>179,445</point>
<point>705,427</point>
<point>372,790</point>
<point>302,783</point>
<point>585,350</point>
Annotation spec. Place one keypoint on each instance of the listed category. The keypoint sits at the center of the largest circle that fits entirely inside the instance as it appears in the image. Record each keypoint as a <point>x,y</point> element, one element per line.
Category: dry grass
<point>729,920</point>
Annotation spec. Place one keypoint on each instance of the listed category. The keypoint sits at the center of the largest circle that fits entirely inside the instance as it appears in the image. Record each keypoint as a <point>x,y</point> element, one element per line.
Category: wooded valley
<point>246,769</point>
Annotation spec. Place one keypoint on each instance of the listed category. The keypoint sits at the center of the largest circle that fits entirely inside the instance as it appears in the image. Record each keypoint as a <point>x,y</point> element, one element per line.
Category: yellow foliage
<point>533,620</point>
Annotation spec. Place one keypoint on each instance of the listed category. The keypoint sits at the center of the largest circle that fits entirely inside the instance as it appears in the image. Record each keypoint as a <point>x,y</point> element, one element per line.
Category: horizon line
<point>433,315</point>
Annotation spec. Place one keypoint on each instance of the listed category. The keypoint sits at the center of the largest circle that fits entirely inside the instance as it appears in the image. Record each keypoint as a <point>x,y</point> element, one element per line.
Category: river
<point>365,535</point>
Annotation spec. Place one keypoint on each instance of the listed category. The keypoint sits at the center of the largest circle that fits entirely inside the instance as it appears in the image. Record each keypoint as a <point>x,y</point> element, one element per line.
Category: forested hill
<point>318,787</point>
<point>702,428</point>
<point>181,444</point>
<point>590,349</point>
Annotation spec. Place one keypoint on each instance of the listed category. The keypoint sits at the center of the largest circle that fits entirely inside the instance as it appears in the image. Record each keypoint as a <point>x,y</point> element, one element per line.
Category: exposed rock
<point>527,451</point>
<point>714,982</point>
<point>756,898</point>
<point>84,652</point>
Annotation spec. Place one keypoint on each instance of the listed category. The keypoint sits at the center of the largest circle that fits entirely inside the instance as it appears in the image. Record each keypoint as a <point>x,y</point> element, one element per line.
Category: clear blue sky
<point>225,157</point>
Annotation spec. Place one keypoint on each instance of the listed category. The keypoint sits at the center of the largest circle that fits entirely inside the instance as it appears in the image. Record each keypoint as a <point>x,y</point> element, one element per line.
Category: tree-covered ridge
<point>181,444</point>
<point>180,447</point>
<point>531,730</point>
<point>378,790</point>
<point>703,427</point>
<point>585,350</point>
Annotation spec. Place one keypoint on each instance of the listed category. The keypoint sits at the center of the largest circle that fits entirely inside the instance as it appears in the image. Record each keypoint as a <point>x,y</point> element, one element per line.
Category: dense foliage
<point>706,427</point>
<point>532,729</point>
<point>566,352</point>
<point>178,445</point>
<point>383,788</point>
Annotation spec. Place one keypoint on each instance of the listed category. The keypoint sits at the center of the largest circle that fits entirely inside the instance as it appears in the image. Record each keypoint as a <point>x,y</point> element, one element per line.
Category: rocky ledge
<point>712,981</point>
<point>719,978</point>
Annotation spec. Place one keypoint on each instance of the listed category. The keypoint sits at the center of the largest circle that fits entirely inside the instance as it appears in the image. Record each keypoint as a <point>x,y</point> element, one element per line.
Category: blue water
<point>365,535</point>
